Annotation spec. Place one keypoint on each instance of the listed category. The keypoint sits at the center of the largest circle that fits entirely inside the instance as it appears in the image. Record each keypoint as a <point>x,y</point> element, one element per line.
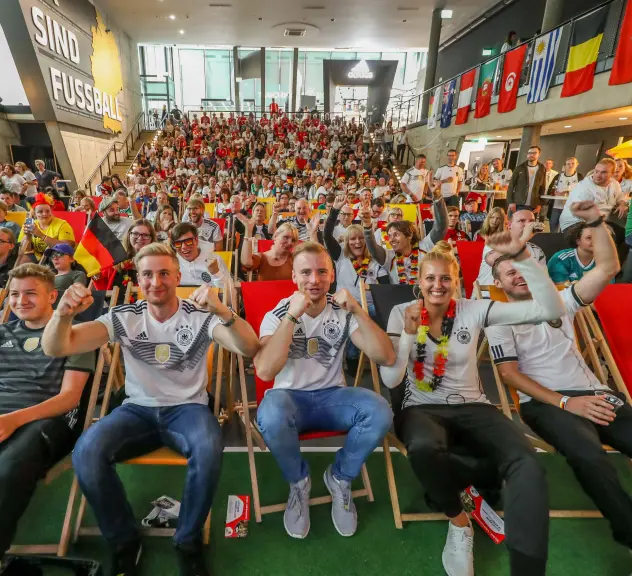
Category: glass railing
<point>415,110</point>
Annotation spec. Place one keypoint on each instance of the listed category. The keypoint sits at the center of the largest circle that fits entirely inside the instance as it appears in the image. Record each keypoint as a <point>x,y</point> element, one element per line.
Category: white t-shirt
<point>501,178</point>
<point>415,180</point>
<point>390,264</point>
<point>461,382</point>
<point>380,191</point>
<point>347,277</point>
<point>606,199</point>
<point>196,273</point>
<point>29,177</point>
<point>532,171</point>
<point>485,277</point>
<point>449,188</point>
<point>545,354</point>
<point>565,183</point>
<point>165,362</point>
<point>316,352</point>
<point>209,231</point>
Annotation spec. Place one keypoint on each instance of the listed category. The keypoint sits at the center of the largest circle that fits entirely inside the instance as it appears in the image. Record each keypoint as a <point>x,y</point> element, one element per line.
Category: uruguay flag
<point>448,100</point>
<point>543,65</point>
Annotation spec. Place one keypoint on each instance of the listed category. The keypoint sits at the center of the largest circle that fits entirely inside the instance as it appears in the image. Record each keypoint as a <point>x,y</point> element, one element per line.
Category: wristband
<point>595,223</point>
<point>292,318</point>
<point>563,402</point>
<point>232,320</point>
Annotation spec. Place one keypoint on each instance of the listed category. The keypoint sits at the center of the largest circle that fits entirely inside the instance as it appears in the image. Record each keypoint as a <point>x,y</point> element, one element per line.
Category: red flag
<point>512,70</point>
<point>485,88</point>
<point>622,66</point>
<point>466,89</point>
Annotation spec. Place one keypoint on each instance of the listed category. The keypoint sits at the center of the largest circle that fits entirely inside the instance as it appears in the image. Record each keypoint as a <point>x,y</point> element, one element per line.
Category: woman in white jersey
<point>436,340</point>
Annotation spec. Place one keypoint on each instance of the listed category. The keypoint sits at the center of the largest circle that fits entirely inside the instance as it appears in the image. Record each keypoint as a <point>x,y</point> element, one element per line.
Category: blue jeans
<point>131,431</point>
<point>284,414</point>
<point>554,222</point>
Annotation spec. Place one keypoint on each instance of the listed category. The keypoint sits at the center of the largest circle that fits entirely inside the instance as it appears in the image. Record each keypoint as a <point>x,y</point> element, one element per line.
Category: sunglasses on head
<point>186,242</point>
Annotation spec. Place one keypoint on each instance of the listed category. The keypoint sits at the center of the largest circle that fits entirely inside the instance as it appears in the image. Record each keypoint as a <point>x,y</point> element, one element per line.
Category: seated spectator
<point>8,255</point>
<point>299,221</point>
<point>46,231</point>
<point>572,263</point>
<point>559,394</point>
<point>105,188</point>
<point>11,200</point>
<point>378,210</point>
<point>76,198</point>
<point>623,175</point>
<point>520,226</point>
<point>39,395</point>
<point>207,230</point>
<point>472,214</point>
<point>496,221</point>
<point>223,204</point>
<point>164,221</point>
<point>454,232</point>
<point>198,264</point>
<point>66,273</point>
<point>8,224</point>
<point>58,204</point>
<point>276,263</point>
<point>260,230</point>
<point>395,214</point>
<point>112,217</point>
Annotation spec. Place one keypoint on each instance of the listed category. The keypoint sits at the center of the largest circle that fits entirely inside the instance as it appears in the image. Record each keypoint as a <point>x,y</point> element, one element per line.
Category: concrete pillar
<point>433,54</point>
<point>552,14</point>
<point>294,80</point>
<point>235,74</point>
<point>263,80</point>
<point>530,137</point>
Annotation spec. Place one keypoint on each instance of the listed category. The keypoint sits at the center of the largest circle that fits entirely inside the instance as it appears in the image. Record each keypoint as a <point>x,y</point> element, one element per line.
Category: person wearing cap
<point>46,230</point>
<point>112,217</point>
<point>62,257</point>
<point>471,212</point>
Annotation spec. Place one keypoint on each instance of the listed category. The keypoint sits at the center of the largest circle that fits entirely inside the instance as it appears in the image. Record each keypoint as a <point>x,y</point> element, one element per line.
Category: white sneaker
<point>458,554</point>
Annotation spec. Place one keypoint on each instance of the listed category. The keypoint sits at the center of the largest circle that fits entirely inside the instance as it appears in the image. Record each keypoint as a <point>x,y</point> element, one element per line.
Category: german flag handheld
<point>99,248</point>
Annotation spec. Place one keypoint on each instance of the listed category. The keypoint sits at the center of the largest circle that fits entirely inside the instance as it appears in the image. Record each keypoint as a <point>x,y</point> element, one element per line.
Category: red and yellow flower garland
<point>414,267</point>
<point>361,267</point>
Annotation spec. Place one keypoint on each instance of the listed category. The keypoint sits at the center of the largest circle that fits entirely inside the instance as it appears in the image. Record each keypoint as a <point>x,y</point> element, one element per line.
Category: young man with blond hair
<point>302,347</point>
<point>164,341</point>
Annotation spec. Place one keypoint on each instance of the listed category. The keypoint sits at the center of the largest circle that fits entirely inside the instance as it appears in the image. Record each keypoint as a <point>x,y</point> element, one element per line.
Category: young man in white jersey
<point>165,342</point>
<point>415,180</point>
<point>500,178</point>
<point>559,394</point>
<point>451,178</point>
<point>561,185</point>
<point>303,341</point>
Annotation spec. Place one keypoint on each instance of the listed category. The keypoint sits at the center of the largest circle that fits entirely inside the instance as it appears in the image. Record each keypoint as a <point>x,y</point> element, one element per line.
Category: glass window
<point>249,89</point>
<point>219,75</point>
<point>368,55</point>
<point>311,69</point>
<point>278,76</point>
<point>192,86</point>
<point>343,55</point>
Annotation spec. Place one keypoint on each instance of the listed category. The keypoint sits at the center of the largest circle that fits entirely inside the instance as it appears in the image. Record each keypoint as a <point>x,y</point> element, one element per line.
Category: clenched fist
<point>207,298</point>
<point>299,302</point>
<point>412,318</point>
<point>75,300</point>
<point>347,302</point>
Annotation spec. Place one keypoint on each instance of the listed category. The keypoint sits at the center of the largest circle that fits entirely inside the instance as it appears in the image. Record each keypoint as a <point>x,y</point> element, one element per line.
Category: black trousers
<point>430,432</point>
<point>401,150</point>
<point>25,458</point>
<point>580,441</point>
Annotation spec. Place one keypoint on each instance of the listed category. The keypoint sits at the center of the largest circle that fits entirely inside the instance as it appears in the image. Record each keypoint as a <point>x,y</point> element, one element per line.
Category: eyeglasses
<point>346,213</point>
<point>186,242</point>
<point>57,254</point>
<point>137,235</point>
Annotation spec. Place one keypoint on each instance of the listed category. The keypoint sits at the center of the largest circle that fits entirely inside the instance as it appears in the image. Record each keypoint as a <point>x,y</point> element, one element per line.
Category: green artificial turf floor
<point>578,547</point>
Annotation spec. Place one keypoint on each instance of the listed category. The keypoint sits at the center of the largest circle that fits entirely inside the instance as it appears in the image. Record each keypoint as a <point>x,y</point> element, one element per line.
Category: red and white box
<point>484,514</point>
<point>237,516</point>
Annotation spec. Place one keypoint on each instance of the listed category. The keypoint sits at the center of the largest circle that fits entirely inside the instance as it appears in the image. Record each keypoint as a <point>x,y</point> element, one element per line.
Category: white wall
<point>11,90</point>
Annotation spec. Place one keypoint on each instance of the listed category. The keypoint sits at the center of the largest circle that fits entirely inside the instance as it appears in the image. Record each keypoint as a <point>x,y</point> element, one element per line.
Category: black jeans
<point>25,457</point>
<point>580,441</point>
<point>429,432</point>
<point>401,150</point>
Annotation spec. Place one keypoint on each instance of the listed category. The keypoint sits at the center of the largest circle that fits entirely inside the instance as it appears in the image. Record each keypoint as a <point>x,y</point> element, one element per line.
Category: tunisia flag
<point>512,70</point>
<point>622,66</point>
<point>466,89</point>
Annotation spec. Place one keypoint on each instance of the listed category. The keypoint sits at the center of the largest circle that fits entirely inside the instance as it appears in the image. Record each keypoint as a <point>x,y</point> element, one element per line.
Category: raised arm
<point>330,242</point>
<point>246,247</point>
<point>377,252</point>
<point>440,225</point>
<point>274,350</point>
<point>272,226</point>
<point>403,334</point>
<point>61,338</point>
<point>604,252</point>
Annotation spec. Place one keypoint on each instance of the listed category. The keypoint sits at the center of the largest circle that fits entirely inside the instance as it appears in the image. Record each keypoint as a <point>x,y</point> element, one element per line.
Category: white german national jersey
<point>316,352</point>
<point>460,383</point>
<point>485,277</point>
<point>415,179</point>
<point>165,362</point>
<point>197,272</point>
<point>545,352</point>
<point>443,172</point>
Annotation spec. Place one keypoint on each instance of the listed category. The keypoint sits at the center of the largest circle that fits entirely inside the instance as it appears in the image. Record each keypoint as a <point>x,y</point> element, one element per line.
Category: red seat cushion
<point>470,256</point>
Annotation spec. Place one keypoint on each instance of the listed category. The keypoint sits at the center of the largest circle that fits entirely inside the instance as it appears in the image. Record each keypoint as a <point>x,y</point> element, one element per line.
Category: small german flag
<point>584,49</point>
<point>99,248</point>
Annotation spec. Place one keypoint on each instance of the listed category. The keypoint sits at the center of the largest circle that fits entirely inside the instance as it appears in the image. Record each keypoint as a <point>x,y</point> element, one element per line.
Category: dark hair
<point>330,198</point>
<point>499,261</point>
<point>573,233</point>
<point>106,179</point>
<point>407,228</point>
<point>378,202</point>
<point>452,150</point>
<point>536,147</point>
<point>419,155</point>
<point>511,33</point>
<point>183,228</point>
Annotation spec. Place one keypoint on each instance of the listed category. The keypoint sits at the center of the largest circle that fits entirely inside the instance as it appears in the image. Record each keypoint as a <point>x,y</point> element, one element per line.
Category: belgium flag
<point>584,49</point>
<point>99,248</point>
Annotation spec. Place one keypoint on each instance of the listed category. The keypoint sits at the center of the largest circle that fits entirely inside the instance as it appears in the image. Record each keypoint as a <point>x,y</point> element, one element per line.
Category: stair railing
<point>118,151</point>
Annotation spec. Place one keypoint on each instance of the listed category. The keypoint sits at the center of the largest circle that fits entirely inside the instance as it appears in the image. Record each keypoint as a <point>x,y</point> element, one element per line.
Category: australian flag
<point>448,100</point>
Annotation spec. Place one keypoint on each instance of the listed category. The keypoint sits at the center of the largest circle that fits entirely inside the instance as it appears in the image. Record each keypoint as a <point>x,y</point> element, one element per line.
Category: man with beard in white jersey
<point>303,341</point>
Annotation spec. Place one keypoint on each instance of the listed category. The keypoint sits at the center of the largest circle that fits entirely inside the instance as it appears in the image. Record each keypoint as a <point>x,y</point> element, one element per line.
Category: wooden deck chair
<point>409,211</point>
<point>581,325</point>
<point>258,299</point>
<point>4,312</point>
<point>162,457</point>
<point>385,298</point>
<point>87,405</point>
<point>470,257</point>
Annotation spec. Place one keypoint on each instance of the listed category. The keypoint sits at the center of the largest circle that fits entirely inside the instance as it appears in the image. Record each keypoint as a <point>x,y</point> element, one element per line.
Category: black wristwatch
<point>232,320</point>
<point>595,223</point>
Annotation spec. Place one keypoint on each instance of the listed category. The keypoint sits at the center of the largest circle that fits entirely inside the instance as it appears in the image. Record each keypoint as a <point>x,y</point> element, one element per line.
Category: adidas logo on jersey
<point>142,336</point>
<point>299,331</point>
<point>7,344</point>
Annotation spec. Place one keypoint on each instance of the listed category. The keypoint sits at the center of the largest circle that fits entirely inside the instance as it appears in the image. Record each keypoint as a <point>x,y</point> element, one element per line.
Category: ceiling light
<point>404,21</point>
<point>181,31</point>
<point>446,14</point>
<point>333,19</point>
<point>172,16</point>
<point>498,136</point>
<point>623,118</point>
<point>568,126</point>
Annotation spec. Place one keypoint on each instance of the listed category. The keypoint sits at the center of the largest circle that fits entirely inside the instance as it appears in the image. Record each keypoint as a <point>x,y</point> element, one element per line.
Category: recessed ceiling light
<point>181,31</point>
<point>333,19</point>
<point>172,16</point>
<point>498,136</point>
<point>260,18</point>
<point>404,21</point>
<point>568,126</point>
<point>623,118</point>
<point>446,14</point>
